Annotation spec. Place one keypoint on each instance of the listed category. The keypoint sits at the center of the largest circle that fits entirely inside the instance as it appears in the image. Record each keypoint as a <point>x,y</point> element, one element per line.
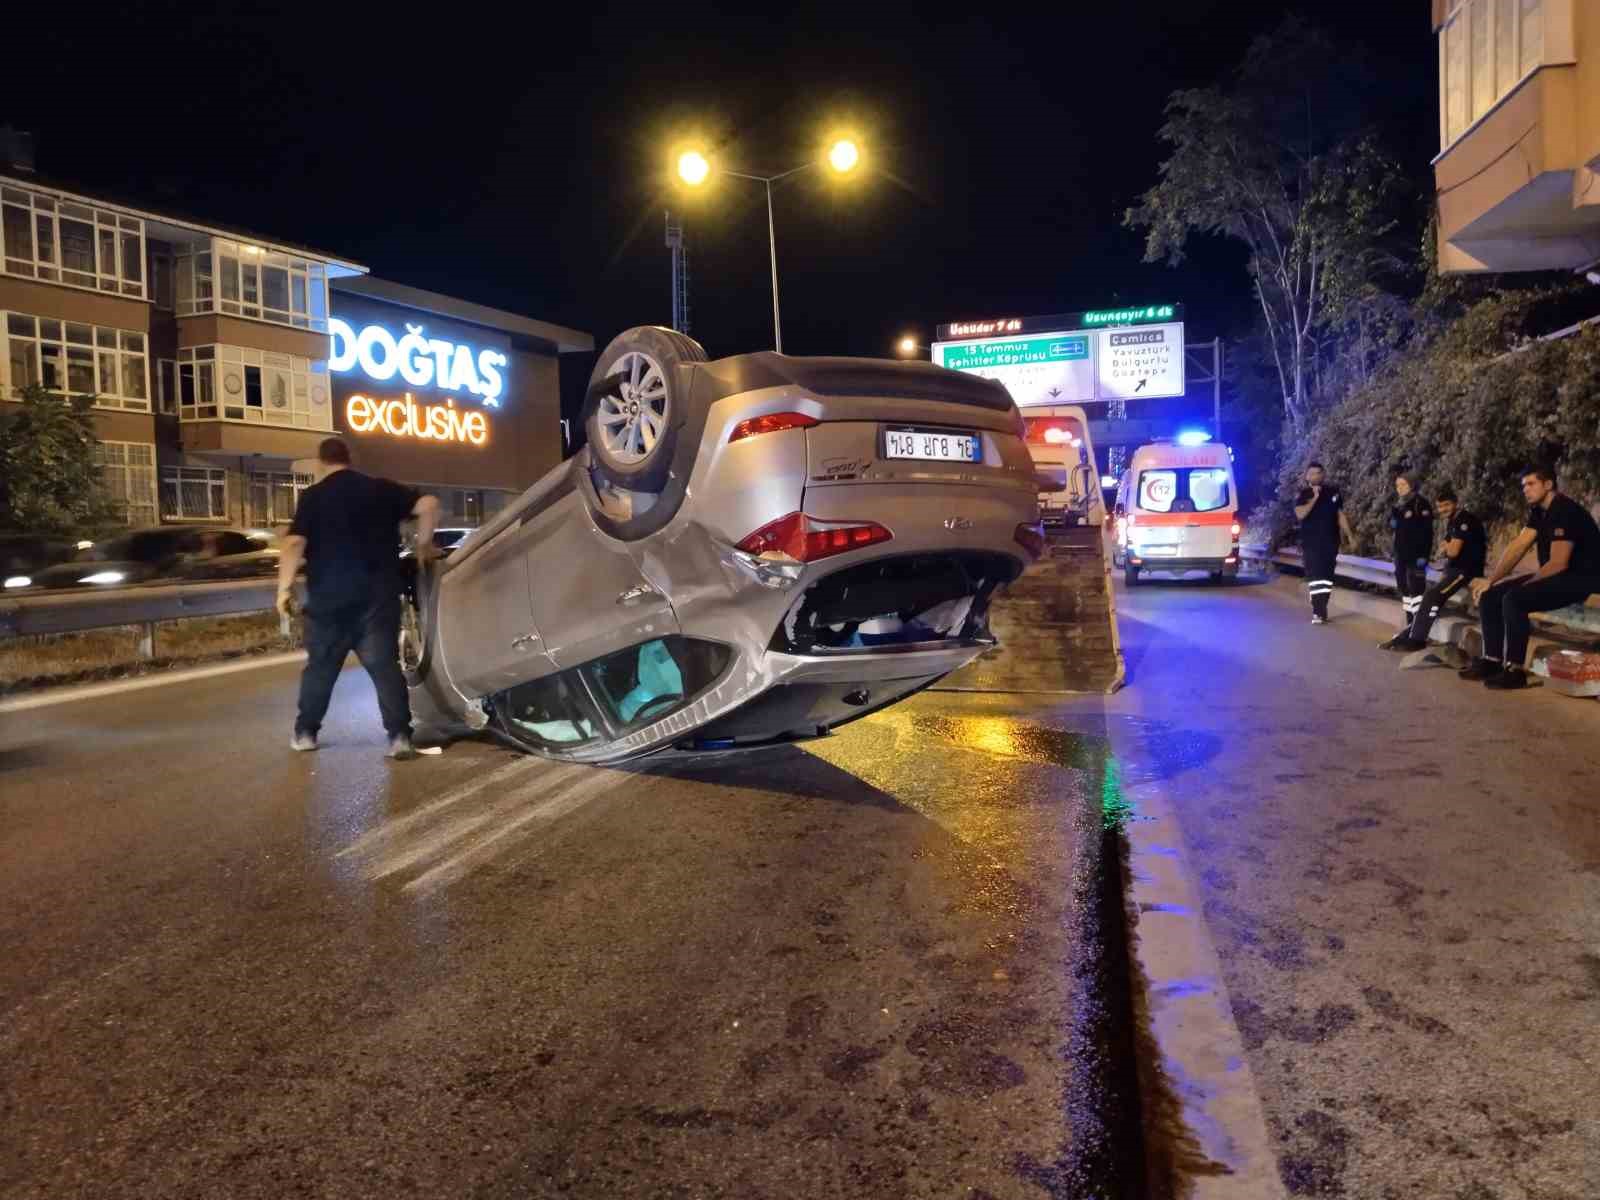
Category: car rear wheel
<point>634,409</point>
<point>416,620</point>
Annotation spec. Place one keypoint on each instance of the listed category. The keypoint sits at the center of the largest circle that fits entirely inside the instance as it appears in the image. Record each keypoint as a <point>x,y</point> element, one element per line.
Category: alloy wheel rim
<point>632,419</point>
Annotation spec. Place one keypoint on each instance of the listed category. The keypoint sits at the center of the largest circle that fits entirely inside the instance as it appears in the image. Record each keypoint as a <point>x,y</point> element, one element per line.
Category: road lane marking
<point>400,825</point>
<point>433,842</point>
<point>115,687</point>
<point>549,809</point>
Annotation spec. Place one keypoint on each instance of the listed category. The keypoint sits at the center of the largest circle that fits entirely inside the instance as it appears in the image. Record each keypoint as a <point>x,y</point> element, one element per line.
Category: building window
<point>1486,49</point>
<point>217,275</point>
<point>167,386</point>
<point>468,507</point>
<point>60,241</point>
<point>274,495</point>
<point>232,383</point>
<point>194,494</point>
<point>87,360</point>
<point>128,471</point>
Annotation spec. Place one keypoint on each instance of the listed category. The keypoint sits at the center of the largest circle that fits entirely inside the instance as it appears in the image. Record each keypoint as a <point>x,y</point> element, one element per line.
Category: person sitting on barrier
<point>1568,543</point>
<point>1412,521</point>
<point>1466,553</point>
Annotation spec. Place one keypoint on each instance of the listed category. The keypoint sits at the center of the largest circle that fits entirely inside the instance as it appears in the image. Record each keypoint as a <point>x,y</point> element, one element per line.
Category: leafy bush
<point>1470,405</point>
<point>49,482</point>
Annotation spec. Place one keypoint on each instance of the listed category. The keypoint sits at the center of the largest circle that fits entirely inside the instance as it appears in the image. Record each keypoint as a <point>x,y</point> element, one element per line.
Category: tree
<point>1280,162</point>
<point>49,481</point>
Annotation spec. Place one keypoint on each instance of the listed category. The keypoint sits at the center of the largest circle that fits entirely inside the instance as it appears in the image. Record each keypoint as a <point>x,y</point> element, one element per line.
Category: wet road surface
<point>235,971</point>
<point>1401,875</point>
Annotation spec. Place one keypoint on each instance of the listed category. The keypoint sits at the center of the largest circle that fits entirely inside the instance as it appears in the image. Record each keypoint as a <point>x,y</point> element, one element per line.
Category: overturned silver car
<point>749,551</point>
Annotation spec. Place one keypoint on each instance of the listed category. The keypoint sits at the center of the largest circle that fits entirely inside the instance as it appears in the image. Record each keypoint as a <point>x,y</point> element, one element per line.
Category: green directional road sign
<point>1013,352</point>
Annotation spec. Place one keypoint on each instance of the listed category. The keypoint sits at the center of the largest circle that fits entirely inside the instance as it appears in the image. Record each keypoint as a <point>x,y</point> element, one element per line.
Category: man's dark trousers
<point>1505,608</point>
<point>1320,558</point>
<point>1435,599</point>
<point>1411,581</point>
<point>373,632</point>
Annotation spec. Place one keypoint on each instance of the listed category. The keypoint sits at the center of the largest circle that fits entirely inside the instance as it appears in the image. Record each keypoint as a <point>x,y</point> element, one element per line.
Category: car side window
<point>554,711</point>
<point>229,542</point>
<point>654,679</point>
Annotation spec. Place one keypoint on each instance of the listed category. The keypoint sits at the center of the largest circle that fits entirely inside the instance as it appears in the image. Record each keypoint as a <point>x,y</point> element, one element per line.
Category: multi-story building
<point>1519,129</point>
<point>218,359</point>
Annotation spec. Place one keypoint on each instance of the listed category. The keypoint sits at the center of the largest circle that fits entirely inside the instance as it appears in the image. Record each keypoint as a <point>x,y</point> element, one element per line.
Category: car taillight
<point>1237,530</point>
<point>805,539</point>
<point>1031,539</point>
<point>771,423</point>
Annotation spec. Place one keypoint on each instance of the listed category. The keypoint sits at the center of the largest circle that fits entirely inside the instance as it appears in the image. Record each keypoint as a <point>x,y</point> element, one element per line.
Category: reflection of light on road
<point>993,734</point>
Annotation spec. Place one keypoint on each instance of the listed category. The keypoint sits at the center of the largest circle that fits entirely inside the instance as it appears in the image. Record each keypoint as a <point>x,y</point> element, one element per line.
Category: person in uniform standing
<point>1320,510</point>
<point>1411,518</point>
<point>1466,555</point>
<point>1568,544</point>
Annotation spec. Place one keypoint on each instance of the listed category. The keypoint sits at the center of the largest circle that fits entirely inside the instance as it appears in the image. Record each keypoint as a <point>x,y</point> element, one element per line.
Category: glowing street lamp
<point>843,156</point>
<point>908,346</point>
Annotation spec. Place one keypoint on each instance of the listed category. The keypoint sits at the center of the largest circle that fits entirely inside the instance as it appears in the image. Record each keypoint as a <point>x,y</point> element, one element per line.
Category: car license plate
<point>933,445</point>
<point>1168,551</point>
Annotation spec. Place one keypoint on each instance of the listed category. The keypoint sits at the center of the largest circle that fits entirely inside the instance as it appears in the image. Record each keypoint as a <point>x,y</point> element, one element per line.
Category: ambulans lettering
<point>420,360</point>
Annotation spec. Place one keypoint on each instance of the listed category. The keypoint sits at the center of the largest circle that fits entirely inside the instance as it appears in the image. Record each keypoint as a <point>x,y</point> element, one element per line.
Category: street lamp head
<point>907,346</point>
<point>693,168</point>
<point>844,155</point>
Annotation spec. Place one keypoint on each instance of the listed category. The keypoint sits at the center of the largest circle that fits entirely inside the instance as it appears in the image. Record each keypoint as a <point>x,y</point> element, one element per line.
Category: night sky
<point>526,167</point>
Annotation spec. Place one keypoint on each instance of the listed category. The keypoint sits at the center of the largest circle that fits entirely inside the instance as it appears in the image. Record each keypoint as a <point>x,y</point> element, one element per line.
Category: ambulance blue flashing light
<point>1193,437</point>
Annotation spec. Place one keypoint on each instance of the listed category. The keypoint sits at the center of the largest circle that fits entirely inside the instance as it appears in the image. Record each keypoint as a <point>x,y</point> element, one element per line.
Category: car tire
<point>1130,575</point>
<point>418,622</point>
<point>637,403</point>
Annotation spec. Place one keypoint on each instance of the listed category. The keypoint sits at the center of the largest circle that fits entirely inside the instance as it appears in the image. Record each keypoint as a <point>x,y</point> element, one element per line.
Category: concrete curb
<point>1225,1150</point>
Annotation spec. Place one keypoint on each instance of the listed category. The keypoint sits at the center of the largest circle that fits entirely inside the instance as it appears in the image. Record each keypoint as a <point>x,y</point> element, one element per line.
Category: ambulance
<point>1064,463</point>
<point>1177,509</point>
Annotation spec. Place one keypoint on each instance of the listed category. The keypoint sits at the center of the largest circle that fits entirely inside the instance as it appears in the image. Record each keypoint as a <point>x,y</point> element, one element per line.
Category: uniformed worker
<point>1466,554</point>
<point>1320,510</point>
<point>1568,543</point>
<point>1411,518</point>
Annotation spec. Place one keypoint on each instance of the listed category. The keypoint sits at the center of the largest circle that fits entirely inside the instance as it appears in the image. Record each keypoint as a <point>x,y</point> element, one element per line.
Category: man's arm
<point>291,557</point>
<point>426,511</point>
<point>1301,511</point>
<point>1560,559</point>
<point>1452,548</point>
<point>1346,533</point>
<point>1508,562</point>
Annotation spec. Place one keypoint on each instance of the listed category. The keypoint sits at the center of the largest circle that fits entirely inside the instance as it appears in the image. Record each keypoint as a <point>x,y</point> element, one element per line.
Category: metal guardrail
<point>146,604</point>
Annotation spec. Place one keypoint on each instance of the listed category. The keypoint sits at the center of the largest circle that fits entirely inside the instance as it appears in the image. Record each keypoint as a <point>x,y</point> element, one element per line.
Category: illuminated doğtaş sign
<point>420,360</point>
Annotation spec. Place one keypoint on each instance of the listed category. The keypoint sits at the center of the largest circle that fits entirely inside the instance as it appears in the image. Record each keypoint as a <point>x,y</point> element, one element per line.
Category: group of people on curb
<point>1560,529</point>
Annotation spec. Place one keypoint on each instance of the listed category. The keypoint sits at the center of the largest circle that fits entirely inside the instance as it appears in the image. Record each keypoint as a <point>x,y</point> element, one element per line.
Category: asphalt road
<point>1401,876</point>
<point>234,971</point>
<point>862,969</point>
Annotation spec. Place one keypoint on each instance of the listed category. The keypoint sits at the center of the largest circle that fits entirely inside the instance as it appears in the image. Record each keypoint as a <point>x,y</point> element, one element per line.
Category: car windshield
<point>449,539</point>
<point>647,682</point>
<point>1183,489</point>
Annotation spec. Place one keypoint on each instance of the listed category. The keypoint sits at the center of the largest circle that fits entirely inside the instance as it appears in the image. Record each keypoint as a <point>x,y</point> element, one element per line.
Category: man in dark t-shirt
<point>345,530</point>
<point>1466,553</point>
<point>1319,507</point>
<point>1568,544</point>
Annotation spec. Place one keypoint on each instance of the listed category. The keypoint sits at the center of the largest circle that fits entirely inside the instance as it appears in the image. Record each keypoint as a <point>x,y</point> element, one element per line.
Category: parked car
<point>167,552</point>
<point>749,551</point>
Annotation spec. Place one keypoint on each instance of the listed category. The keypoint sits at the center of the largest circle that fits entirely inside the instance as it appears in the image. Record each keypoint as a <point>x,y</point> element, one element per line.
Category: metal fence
<point>146,605</point>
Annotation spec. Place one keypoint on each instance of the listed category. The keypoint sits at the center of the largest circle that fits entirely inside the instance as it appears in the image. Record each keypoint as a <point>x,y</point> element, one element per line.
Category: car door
<point>487,636</point>
<point>589,595</point>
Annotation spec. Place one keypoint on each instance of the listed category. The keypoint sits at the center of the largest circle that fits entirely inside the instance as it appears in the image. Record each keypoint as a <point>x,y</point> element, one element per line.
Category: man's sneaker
<point>1508,680</point>
<point>1481,670</point>
<point>303,741</point>
<point>401,749</point>
<point>1400,642</point>
<point>1316,620</point>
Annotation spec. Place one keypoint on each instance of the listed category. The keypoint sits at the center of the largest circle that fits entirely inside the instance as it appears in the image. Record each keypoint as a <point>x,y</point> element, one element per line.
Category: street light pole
<point>772,251</point>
